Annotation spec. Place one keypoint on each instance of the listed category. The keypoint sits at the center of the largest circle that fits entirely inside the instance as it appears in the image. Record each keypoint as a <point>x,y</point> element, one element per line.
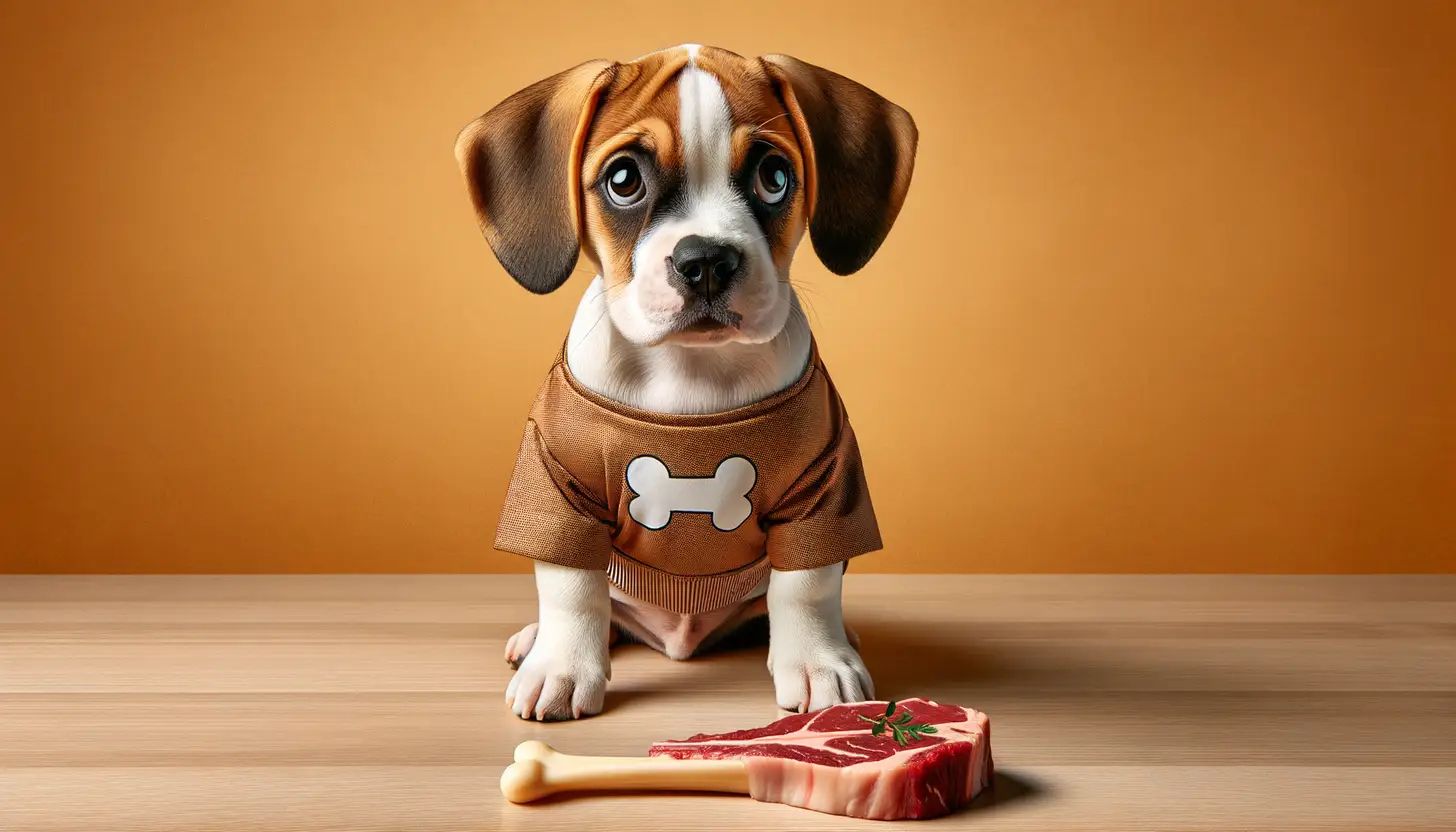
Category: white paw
<point>554,685</point>
<point>819,676</point>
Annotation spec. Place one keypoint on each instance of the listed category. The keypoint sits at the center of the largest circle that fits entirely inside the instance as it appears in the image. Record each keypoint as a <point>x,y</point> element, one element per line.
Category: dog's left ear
<point>859,153</point>
<point>522,165</point>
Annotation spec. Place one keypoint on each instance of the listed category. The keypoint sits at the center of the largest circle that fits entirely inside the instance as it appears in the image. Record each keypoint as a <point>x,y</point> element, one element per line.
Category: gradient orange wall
<point>1174,289</point>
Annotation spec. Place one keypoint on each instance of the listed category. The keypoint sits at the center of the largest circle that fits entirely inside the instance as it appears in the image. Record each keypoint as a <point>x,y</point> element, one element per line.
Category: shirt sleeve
<point>548,515</point>
<point>826,517</point>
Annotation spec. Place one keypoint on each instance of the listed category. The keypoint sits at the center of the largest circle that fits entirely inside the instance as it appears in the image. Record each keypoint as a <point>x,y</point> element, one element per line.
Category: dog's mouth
<point>704,318</point>
<point>708,319</point>
<point>713,323</point>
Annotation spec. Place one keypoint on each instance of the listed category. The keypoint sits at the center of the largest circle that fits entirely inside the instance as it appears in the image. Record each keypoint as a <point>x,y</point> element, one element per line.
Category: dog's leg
<point>564,674</point>
<point>518,645</point>
<point>809,654</point>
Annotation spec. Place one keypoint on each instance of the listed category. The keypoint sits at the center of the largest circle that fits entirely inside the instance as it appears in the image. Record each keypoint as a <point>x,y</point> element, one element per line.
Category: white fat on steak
<point>830,761</point>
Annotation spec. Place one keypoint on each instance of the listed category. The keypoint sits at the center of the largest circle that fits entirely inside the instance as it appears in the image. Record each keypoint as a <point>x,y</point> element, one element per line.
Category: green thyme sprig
<point>901,728</point>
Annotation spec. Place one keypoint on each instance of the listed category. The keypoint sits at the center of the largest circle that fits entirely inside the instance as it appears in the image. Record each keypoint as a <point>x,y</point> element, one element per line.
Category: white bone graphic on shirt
<point>723,495</point>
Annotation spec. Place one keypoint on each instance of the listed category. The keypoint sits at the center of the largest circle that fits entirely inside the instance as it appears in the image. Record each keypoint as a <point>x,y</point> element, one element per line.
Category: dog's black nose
<point>705,267</point>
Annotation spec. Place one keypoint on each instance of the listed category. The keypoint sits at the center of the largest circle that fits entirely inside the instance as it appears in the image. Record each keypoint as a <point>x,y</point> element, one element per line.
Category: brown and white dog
<point>687,177</point>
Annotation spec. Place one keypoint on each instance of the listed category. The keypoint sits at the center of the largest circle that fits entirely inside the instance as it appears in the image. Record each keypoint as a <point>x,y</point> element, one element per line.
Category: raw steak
<point>829,761</point>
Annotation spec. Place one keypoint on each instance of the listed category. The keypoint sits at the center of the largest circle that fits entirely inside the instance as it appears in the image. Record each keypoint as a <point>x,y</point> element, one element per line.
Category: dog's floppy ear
<point>859,153</point>
<point>522,165</point>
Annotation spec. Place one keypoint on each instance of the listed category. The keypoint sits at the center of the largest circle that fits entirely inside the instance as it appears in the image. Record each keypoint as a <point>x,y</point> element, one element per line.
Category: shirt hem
<point>685,594</point>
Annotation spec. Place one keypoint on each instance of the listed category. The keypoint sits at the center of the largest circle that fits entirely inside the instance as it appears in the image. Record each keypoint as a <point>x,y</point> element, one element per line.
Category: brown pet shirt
<point>688,512</point>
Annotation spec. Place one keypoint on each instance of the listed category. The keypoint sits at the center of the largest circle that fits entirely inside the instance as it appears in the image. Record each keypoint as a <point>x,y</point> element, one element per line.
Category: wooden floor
<point>375,703</point>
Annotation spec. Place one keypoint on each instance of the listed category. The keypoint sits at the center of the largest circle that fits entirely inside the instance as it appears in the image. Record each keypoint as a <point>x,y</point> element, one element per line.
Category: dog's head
<point>688,177</point>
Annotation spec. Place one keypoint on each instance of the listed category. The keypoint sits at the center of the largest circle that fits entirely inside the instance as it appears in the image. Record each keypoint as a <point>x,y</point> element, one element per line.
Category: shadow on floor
<point>908,661</point>
<point>751,635</point>
<point>1009,788</point>
<point>616,697</point>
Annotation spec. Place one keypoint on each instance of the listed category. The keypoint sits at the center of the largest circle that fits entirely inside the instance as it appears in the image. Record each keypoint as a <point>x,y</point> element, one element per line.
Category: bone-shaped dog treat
<point>540,770</point>
<point>723,495</point>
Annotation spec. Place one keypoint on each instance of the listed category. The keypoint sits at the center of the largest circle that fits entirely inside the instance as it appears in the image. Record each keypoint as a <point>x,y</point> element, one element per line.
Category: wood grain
<point>374,703</point>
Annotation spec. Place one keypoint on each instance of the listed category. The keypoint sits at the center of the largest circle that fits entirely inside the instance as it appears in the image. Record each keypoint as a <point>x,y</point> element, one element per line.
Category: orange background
<point>1174,289</point>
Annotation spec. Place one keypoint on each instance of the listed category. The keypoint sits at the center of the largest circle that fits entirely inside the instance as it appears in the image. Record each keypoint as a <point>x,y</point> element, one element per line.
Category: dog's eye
<point>624,182</point>
<point>772,181</point>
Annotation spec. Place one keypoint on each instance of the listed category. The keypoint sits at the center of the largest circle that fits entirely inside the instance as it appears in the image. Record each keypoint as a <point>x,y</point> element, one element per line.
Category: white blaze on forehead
<point>707,138</point>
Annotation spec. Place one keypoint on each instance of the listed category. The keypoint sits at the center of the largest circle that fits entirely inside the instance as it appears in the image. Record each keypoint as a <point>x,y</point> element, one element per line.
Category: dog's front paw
<point>554,685</point>
<point>814,678</point>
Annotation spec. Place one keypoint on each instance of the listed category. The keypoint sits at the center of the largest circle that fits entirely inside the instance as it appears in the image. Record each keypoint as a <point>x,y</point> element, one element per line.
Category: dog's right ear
<point>859,155</point>
<point>522,165</point>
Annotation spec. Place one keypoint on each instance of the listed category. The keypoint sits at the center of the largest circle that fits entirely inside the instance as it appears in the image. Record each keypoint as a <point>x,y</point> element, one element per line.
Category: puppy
<point>687,466</point>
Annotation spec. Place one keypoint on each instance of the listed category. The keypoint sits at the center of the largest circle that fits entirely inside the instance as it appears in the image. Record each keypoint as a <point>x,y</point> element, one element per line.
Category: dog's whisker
<point>591,297</point>
<point>797,311</point>
<point>770,118</point>
<point>802,287</point>
<point>814,310</point>
<point>594,325</point>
